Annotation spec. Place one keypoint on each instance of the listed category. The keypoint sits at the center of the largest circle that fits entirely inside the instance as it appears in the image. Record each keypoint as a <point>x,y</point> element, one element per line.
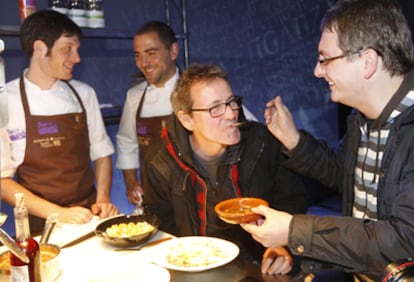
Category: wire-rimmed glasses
<point>235,103</point>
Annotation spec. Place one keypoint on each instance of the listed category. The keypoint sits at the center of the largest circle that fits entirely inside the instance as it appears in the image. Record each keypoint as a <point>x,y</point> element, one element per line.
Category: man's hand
<point>273,230</point>
<point>134,193</point>
<point>104,209</point>
<point>75,215</point>
<point>280,123</point>
<point>276,261</point>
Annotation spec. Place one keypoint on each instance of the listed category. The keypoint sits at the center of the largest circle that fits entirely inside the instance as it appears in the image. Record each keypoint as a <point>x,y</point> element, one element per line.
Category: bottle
<point>26,7</point>
<point>60,6</point>
<point>19,270</point>
<point>95,14</point>
<point>77,12</point>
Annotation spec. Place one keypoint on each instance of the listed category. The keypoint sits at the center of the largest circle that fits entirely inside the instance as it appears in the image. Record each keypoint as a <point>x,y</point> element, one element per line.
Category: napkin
<point>64,233</point>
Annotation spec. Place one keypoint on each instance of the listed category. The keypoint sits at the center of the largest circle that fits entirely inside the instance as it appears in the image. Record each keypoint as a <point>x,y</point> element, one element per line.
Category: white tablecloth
<point>93,260</point>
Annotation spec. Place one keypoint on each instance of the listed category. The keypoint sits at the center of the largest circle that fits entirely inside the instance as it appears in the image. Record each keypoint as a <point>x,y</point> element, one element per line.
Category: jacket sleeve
<point>361,245</point>
<point>157,196</point>
<point>263,174</point>
<point>314,158</point>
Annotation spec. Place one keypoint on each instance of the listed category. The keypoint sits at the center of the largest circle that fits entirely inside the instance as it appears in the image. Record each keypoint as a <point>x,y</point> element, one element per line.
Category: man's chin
<point>65,77</point>
<point>234,139</point>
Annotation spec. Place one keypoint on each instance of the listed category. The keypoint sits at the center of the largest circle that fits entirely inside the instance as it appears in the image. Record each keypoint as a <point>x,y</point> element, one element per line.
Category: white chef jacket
<point>59,99</point>
<point>156,103</point>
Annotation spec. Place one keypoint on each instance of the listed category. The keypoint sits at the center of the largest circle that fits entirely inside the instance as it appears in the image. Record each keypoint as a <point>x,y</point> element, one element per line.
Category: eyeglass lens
<point>219,109</point>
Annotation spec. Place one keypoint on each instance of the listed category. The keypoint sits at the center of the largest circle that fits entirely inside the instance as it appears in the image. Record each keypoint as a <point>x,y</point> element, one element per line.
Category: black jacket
<point>171,183</point>
<point>357,245</point>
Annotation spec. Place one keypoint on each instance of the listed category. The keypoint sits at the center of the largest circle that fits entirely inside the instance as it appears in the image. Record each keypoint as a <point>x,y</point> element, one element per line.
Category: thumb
<point>260,210</point>
<point>249,227</point>
<point>95,209</point>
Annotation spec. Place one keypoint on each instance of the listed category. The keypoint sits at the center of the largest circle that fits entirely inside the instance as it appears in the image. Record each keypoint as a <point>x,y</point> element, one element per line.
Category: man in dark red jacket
<point>205,157</point>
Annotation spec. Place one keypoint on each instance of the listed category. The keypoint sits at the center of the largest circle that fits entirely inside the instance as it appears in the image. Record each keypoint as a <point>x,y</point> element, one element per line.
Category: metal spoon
<point>49,225</point>
<point>241,123</point>
<point>12,246</point>
<point>148,244</point>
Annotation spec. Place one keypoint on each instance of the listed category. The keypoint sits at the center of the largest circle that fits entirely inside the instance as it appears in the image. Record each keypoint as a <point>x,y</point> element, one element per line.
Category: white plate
<point>137,272</point>
<point>195,253</point>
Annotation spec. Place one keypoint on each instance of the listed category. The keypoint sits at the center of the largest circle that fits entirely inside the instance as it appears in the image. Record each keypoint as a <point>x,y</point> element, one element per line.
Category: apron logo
<point>47,127</point>
<point>142,129</point>
<point>49,142</point>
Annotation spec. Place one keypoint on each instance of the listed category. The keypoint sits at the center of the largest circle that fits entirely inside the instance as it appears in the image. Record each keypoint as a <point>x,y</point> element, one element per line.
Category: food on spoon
<point>130,229</point>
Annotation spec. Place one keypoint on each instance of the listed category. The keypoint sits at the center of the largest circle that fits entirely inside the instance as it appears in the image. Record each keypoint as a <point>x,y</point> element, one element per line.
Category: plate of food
<point>195,253</point>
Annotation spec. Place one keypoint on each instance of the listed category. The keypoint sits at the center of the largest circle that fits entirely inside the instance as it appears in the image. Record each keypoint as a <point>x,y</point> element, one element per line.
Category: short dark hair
<point>376,24</point>
<point>165,33</point>
<point>48,26</point>
<point>181,99</point>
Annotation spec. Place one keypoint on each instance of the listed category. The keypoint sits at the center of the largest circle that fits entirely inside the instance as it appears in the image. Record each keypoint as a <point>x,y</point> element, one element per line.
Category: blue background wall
<point>269,48</point>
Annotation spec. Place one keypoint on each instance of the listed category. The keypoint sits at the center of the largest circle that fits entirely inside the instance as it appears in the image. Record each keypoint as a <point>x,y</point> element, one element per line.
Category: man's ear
<point>39,48</point>
<point>371,62</point>
<point>186,120</point>
<point>174,51</point>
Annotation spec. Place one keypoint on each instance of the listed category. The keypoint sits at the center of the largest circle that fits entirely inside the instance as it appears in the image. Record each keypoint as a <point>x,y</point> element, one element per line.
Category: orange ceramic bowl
<point>238,210</point>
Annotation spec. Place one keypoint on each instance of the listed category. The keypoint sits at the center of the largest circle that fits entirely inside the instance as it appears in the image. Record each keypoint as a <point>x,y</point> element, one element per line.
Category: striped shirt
<point>369,160</point>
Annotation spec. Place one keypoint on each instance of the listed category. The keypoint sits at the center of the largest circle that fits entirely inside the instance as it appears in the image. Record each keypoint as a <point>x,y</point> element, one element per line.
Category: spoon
<point>49,225</point>
<point>241,123</point>
<point>12,246</point>
<point>148,244</point>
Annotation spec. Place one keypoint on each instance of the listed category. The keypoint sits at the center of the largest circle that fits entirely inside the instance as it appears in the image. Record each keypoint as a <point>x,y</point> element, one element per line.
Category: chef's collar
<point>170,83</point>
<point>31,85</point>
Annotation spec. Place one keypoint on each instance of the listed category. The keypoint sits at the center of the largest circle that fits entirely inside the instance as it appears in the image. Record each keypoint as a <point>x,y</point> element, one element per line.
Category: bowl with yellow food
<point>128,230</point>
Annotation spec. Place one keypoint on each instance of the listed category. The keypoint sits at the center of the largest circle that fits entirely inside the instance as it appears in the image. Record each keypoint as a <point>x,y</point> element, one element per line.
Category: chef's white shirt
<point>59,99</point>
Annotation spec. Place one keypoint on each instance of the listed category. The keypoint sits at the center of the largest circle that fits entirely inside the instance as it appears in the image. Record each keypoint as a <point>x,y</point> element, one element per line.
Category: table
<point>79,262</point>
<point>83,261</point>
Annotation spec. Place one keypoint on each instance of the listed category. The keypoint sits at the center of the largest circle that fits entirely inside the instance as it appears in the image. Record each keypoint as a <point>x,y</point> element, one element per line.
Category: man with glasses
<point>208,154</point>
<point>366,56</point>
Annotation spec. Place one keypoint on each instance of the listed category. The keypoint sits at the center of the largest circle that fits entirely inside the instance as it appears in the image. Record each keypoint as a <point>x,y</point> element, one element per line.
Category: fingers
<point>270,111</point>
<point>75,215</point>
<point>135,196</point>
<point>276,261</point>
<point>104,209</point>
<point>279,265</point>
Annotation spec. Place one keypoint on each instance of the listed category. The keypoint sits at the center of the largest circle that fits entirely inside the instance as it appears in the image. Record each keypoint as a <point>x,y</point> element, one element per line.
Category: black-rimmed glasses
<point>235,103</point>
<point>326,61</point>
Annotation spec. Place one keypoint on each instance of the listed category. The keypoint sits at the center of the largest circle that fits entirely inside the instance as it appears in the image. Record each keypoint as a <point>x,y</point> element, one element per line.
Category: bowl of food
<point>49,257</point>
<point>239,210</point>
<point>128,230</point>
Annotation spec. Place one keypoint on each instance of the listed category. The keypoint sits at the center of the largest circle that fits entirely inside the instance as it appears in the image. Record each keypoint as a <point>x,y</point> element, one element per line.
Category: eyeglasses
<point>235,103</point>
<point>326,61</point>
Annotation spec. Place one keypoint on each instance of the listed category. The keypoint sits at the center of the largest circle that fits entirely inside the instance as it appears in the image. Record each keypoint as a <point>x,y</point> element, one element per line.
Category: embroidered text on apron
<point>148,130</point>
<point>57,165</point>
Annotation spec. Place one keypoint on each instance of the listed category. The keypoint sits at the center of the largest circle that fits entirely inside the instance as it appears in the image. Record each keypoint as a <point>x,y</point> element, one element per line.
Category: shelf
<point>99,33</point>
<point>12,30</point>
